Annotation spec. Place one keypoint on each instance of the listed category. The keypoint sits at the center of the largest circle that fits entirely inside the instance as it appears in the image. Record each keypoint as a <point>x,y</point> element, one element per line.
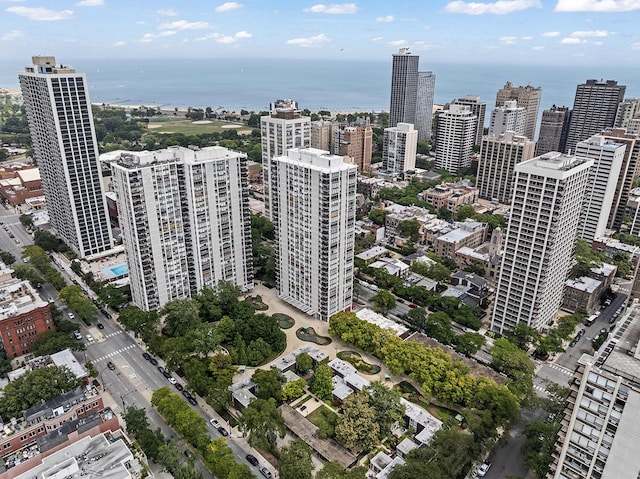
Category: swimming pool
<point>120,270</point>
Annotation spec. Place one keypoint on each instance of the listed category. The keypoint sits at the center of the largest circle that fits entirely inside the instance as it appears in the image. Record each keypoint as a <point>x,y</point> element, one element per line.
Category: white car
<point>77,335</point>
<point>71,315</point>
<point>172,380</point>
<point>214,423</point>
<point>483,469</point>
<point>89,338</point>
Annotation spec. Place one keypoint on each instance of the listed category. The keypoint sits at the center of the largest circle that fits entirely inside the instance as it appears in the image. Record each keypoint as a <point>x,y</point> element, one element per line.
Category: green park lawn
<point>187,127</point>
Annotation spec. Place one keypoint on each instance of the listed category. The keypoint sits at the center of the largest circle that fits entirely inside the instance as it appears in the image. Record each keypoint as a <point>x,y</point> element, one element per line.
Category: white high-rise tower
<point>547,197</point>
<point>508,117</point>
<point>64,142</point>
<point>185,221</point>
<point>314,219</point>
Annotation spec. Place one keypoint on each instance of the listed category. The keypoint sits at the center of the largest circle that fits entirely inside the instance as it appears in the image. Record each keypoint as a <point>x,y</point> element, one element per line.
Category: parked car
<point>71,315</point>
<point>251,459</point>
<point>483,469</point>
<point>111,366</point>
<point>214,423</point>
<point>146,356</point>
<point>179,386</point>
<point>186,394</point>
<point>573,343</point>
<point>192,401</point>
<point>89,338</point>
<point>162,370</point>
<point>265,472</point>
<point>172,380</point>
<point>223,431</point>
<point>153,361</point>
<point>77,335</point>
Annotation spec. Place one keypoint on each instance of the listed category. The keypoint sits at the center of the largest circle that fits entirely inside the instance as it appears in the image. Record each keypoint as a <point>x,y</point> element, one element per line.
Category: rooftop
<point>584,283</point>
<point>18,297</point>
<point>374,318</point>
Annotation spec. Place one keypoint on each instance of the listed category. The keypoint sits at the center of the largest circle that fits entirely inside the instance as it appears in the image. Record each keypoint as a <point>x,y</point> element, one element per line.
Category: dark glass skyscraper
<point>404,88</point>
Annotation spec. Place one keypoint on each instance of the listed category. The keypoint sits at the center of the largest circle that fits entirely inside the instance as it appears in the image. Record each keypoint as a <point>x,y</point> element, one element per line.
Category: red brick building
<point>23,316</point>
<point>17,184</point>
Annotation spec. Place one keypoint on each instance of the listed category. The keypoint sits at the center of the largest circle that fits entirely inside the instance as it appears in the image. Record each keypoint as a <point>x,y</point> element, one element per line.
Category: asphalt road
<point>21,237</point>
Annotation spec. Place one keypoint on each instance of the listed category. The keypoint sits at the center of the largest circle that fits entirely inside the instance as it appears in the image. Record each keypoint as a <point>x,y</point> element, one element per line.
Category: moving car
<point>251,459</point>
<point>89,338</point>
<point>100,326</point>
<point>111,366</point>
<point>77,335</point>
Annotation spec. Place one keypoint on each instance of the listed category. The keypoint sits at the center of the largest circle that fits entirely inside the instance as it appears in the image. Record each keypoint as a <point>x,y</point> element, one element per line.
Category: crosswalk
<point>114,353</point>
<point>111,335</point>
<point>562,369</point>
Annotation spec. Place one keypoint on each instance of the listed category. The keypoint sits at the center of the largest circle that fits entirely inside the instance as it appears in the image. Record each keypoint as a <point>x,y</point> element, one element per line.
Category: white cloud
<point>500,7</point>
<point>149,37</point>
<point>387,19</point>
<point>225,39</point>
<point>635,46</point>
<point>572,41</point>
<point>597,43</point>
<point>227,7</point>
<point>527,38</point>
<point>119,44</point>
<point>551,34</point>
<point>40,14</point>
<point>167,12</point>
<point>185,25</point>
<point>537,47</point>
<point>309,41</point>
<point>590,33</point>
<point>597,5</point>
<point>398,43</point>
<point>11,35</point>
<point>90,3</point>
<point>377,39</point>
<point>334,9</point>
<point>140,22</point>
<point>508,40</point>
<point>243,34</point>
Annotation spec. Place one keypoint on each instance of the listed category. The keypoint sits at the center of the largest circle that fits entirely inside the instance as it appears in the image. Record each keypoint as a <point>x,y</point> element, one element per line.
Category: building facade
<point>399,147</point>
<point>282,129</point>
<point>455,138</point>
<point>404,88</point>
<point>424,107</point>
<point>508,117</point>
<point>64,143</point>
<point>594,109</point>
<point>527,97</point>
<point>498,157</point>
<point>185,221</point>
<point>24,316</point>
<point>607,159</point>
<point>479,109</point>
<point>554,127</point>
<point>314,219</point>
<point>356,142</point>
<point>322,133</point>
<point>628,111</point>
<point>547,197</point>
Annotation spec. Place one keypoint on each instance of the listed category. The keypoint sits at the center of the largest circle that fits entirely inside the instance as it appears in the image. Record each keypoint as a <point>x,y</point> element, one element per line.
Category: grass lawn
<point>187,127</point>
<point>325,420</point>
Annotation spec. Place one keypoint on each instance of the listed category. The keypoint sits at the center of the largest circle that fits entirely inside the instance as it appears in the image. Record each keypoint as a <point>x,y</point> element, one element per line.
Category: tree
<point>539,446</point>
<point>7,258</point>
<point>410,229</point>
<point>321,384</point>
<point>378,216</point>
<point>261,422</point>
<point>52,341</point>
<point>384,301</point>
<point>438,326</point>
<point>188,471</point>
<point>293,389</point>
<point>469,343</point>
<point>140,322</point>
<point>269,383</point>
<point>464,212</point>
<point>135,420</point>
<point>151,442</point>
<point>169,456</point>
<point>295,461</point>
<point>304,362</point>
<point>219,457</point>
<point>417,317</point>
<point>357,428</point>
<point>34,388</point>
<point>180,316</point>
<point>240,471</point>
<point>333,470</point>
<point>49,242</point>
<point>387,406</point>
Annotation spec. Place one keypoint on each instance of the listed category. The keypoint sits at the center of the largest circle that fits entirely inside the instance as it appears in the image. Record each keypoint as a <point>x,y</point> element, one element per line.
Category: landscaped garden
<point>256,301</point>
<point>309,334</point>
<point>325,419</point>
<point>355,359</point>
<point>284,320</point>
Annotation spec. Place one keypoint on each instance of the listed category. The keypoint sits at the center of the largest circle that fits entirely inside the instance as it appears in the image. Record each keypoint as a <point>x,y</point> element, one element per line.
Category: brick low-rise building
<point>20,183</point>
<point>470,233</point>
<point>24,316</point>
<point>451,196</point>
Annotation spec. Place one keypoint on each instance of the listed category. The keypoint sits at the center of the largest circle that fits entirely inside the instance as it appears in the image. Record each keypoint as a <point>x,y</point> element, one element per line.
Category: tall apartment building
<point>56,98</point>
<point>527,97</point>
<point>404,88</point>
<point>314,218</point>
<point>399,147</point>
<point>607,159</point>
<point>599,436</point>
<point>594,109</point>
<point>498,157</point>
<point>548,193</point>
<point>508,117</point>
<point>455,138</point>
<point>282,129</point>
<point>424,107</point>
<point>356,142</point>
<point>479,109</point>
<point>628,111</point>
<point>322,132</point>
<point>185,221</point>
<point>554,127</point>
<point>628,172</point>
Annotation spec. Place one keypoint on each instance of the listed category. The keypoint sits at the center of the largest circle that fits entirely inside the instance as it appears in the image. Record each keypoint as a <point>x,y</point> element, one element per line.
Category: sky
<point>536,32</point>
